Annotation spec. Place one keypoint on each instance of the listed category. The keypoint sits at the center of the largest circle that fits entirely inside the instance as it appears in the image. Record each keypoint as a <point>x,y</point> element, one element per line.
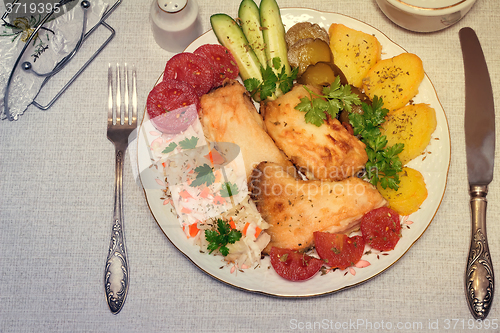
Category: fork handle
<point>116,275</point>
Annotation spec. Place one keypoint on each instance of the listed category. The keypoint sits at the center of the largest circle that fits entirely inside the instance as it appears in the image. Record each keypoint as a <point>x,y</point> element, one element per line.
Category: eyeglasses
<point>31,33</point>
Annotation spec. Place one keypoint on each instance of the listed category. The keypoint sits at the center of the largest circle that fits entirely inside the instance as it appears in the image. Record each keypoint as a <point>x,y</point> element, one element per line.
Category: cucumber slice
<point>230,35</point>
<point>274,34</point>
<point>250,24</point>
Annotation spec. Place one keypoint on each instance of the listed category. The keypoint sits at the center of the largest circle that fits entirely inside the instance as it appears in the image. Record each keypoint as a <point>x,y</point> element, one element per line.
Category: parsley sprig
<point>204,175</point>
<point>335,97</point>
<point>383,162</point>
<point>271,81</point>
<point>170,148</point>
<point>187,143</point>
<point>228,189</point>
<point>218,239</point>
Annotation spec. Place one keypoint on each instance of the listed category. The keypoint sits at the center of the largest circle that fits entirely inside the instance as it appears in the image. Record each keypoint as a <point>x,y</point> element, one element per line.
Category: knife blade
<point>480,151</point>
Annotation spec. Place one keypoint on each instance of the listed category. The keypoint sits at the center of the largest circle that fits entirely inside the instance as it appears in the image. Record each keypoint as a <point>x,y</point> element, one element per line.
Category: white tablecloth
<point>56,194</point>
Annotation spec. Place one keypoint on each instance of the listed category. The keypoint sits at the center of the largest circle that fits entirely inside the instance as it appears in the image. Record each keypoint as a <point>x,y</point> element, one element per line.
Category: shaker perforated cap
<point>172,6</point>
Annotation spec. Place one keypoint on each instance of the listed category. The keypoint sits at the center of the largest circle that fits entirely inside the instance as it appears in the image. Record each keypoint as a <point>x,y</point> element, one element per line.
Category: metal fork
<point>121,124</point>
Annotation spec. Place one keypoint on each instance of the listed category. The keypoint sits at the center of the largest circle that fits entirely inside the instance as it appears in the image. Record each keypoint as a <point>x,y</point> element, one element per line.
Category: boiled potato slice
<point>410,195</point>
<point>355,52</point>
<point>308,52</point>
<point>411,125</point>
<point>395,80</point>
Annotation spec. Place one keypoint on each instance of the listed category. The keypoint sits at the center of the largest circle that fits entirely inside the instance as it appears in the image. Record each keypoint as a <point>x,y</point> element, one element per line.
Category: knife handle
<point>479,278</point>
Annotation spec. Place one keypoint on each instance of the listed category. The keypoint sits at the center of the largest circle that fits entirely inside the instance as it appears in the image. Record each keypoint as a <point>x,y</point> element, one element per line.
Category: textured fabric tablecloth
<point>56,195</point>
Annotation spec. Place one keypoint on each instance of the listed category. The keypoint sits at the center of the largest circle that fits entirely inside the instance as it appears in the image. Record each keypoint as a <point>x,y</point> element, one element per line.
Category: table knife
<point>480,150</point>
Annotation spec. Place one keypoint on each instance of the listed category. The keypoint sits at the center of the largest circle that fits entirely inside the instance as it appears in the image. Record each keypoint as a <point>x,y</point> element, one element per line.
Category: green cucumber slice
<point>230,35</point>
<point>274,34</point>
<point>250,24</point>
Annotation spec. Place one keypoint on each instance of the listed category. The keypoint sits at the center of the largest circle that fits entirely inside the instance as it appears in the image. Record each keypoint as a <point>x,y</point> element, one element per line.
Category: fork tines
<point>122,114</point>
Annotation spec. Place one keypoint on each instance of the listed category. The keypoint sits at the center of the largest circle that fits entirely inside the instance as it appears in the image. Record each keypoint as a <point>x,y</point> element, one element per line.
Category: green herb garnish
<point>220,238</point>
<point>204,175</point>
<point>170,148</point>
<point>271,81</point>
<point>284,257</point>
<point>189,143</point>
<point>228,189</point>
<point>336,97</point>
<point>383,162</point>
<point>184,144</point>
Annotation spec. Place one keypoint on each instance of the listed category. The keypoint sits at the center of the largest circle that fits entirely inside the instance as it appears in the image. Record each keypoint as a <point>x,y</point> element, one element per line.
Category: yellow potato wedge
<point>354,52</point>
<point>412,126</point>
<point>411,194</point>
<point>395,80</point>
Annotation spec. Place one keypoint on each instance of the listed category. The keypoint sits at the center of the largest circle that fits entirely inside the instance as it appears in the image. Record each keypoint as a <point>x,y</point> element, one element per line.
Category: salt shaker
<point>175,23</point>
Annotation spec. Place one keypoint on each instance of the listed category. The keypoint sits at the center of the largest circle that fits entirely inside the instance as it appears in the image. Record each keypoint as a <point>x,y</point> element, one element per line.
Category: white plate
<point>433,166</point>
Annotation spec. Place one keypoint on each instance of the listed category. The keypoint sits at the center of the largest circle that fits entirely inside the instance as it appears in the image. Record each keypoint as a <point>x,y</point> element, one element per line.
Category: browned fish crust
<point>296,208</point>
<point>328,152</point>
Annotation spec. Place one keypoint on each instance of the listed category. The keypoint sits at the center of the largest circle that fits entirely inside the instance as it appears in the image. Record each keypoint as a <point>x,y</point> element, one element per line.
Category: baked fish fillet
<point>229,115</point>
<point>325,152</point>
<point>296,208</point>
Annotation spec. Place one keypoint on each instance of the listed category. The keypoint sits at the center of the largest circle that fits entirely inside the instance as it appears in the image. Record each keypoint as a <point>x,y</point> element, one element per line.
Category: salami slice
<point>222,62</point>
<point>190,68</point>
<point>167,106</point>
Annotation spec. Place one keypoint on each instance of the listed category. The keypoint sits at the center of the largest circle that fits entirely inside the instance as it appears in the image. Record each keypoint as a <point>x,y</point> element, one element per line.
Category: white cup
<point>425,15</point>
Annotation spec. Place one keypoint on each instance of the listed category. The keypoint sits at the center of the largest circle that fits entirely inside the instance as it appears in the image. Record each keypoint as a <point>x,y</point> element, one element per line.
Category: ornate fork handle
<point>116,277</point>
<point>479,277</point>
